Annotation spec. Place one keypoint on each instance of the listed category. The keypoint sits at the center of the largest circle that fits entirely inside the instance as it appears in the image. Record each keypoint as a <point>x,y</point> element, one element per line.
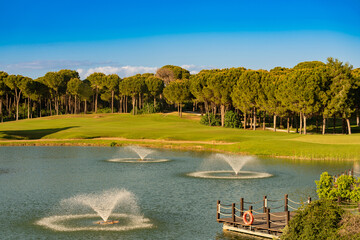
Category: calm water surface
<point>33,180</point>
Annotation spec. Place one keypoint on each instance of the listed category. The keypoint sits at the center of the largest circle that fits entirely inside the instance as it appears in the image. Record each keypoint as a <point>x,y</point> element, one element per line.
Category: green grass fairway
<point>186,133</point>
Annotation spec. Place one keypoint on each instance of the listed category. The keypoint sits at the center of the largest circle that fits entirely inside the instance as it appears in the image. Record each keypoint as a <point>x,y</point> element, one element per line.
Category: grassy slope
<point>170,127</point>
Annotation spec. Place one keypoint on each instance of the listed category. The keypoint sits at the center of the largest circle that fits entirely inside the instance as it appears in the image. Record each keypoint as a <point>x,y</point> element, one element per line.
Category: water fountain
<point>142,156</point>
<point>119,204</point>
<point>236,163</point>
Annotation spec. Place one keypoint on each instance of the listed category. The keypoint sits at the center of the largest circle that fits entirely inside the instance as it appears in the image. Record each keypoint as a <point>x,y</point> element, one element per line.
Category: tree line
<point>281,96</point>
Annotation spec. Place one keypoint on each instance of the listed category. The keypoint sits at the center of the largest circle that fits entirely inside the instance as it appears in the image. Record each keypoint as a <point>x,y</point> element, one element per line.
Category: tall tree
<point>112,85</point>
<point>198,88</point>
<point>245,92</point>
<point>97,81</point>
<point>28,90</point>
<point>178,92</point>
<point>356,74</point>
<point>155,87</point>
<point>304,90</point>
<point>133,86</point>
<point>14,82</point>
<point>3,88</point>
<point>39,91</point>
<point>54,81</point>
<point>73,88</point>
<point>221,85</point>
<point>342,90</point>
<point>85,93</point>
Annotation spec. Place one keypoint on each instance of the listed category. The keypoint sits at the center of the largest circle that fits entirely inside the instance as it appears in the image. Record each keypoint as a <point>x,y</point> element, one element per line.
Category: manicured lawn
<point>171,127</point>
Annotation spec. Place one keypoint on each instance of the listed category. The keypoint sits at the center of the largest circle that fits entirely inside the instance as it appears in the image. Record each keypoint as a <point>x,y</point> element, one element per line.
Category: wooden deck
<point>277,223</point>
<point>266,224</point>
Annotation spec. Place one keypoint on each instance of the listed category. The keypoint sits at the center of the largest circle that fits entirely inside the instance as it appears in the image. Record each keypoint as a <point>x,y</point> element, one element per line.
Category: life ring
<point>251,218</point>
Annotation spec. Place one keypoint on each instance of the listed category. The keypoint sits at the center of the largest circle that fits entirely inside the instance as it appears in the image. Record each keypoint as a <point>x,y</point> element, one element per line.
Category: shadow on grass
<point>31,134</point>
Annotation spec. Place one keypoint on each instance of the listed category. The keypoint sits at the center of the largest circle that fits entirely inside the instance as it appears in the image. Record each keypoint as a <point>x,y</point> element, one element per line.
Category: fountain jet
<point>104,203</point>
<point>235,162</point>
<point>141,151</point>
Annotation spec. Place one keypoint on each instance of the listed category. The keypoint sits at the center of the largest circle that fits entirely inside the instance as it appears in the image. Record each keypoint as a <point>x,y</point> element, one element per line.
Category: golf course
<point>167,130</point>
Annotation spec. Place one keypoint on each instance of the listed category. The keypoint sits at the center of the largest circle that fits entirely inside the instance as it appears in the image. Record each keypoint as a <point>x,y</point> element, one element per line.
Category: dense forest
<point>288,98</point>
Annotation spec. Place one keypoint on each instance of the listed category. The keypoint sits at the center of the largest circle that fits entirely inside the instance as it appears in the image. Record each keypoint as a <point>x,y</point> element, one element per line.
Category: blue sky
<point>128,37</point>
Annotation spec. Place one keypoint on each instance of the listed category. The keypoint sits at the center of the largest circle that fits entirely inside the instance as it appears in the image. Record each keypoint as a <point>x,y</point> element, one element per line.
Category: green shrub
<point>232,120</point>
<point>104,110</point>
<point>355,193</point>
<point>346,187</point>
<point>113,144</point>
<point>325,187</point>
<point>210,120</point>
<point>318,220</point>
<point>149,108</point>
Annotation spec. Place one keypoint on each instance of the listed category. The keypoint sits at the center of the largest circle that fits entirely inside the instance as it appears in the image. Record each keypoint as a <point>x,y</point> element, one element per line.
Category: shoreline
<point>201,146</point>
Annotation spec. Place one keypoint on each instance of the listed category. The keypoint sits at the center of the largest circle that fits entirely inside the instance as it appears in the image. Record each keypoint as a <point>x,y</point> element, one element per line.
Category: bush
<point>232,120</point>
<point>325,187</point>
<point>318,220</point>
<point>346,187</point>
<point>104,110</point>
<point>210,120</point>
<point>149,108</point>
<point>355,193</point>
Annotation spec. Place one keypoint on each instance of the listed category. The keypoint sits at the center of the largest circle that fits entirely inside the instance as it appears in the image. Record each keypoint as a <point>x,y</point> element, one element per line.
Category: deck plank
<point>277,221</point>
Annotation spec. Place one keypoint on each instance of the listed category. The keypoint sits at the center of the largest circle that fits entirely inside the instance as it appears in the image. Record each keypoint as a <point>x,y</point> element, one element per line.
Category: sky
<point>130,37</point>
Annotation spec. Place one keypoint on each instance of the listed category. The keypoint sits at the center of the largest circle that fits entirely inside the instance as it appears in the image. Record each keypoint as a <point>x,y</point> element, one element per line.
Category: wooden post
<point>265,203</point>
<point>233,212</point>
<point>241,206</point>
<point>359,207</point>
<point>286,203</point>
<point>352,172</point>
<point>251,209</point>
<point>309,199</point>
<point>218,210</point>
<point>268,218</point>
<point>287,217</point>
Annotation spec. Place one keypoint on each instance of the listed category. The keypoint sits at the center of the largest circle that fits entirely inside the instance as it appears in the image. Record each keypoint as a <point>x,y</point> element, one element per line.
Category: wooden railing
<point>282,218</point>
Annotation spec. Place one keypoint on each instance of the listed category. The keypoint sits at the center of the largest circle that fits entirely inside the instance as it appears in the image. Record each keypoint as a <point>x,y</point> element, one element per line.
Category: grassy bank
<point>167,130</point>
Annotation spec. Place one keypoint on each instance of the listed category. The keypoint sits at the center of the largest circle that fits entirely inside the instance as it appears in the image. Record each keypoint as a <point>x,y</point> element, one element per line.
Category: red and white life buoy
<point>250,216</point>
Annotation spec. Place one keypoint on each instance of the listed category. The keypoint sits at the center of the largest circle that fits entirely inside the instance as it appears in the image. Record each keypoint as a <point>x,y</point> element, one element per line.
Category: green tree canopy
<point>155,86</point>
<point>170,73</point>
<point>309,64</point>
<point>178,92</point>
<point>16,83</point>
<point>97,81</point>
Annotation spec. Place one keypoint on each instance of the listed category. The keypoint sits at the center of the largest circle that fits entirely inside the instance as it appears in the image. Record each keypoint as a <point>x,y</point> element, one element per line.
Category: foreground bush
<point>318,220</point>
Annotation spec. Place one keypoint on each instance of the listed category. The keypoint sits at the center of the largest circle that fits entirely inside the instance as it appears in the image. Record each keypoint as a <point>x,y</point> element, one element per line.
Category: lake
<point>35,180</point>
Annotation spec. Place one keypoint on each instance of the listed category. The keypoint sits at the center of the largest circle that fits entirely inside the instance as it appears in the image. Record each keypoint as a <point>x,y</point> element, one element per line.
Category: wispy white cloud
<point>126,71</point>
<point>51,65</point>
<point>193,69</point>
<point>123,71</point>
<point>84,68</point>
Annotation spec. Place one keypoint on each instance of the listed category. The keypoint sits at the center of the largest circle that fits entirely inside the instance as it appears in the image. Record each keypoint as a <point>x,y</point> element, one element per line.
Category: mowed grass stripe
<point>171,127</point>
